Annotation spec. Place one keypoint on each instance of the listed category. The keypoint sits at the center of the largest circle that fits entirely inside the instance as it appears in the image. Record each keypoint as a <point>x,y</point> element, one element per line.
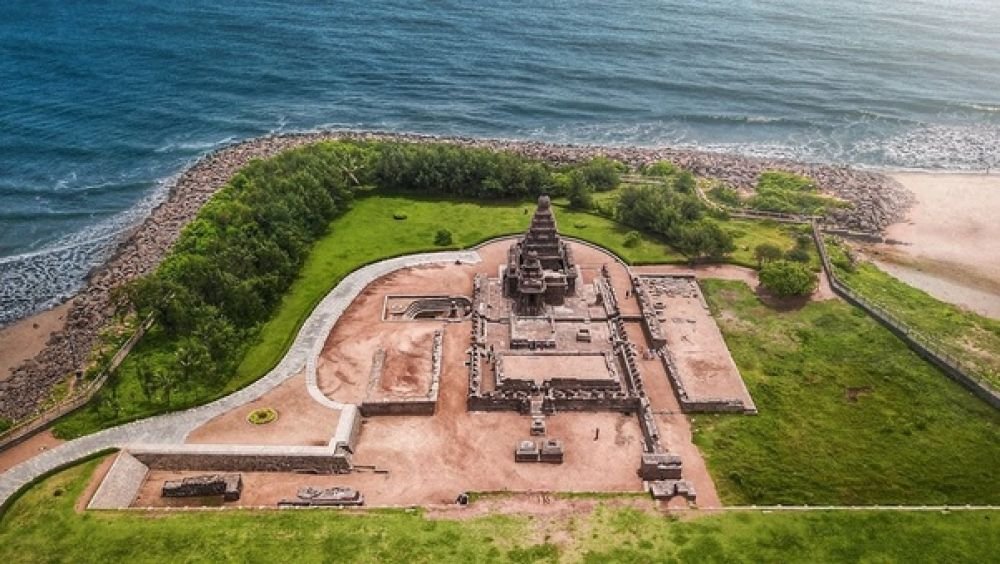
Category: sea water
<point>102,102</point>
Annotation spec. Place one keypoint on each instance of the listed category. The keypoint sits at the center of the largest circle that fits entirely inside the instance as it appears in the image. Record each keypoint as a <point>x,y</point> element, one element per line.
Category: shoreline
<point>879,202</point>
<point>946,244</point>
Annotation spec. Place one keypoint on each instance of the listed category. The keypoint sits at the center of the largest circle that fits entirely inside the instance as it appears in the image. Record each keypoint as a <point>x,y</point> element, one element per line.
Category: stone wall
<point>400,407</point>
<point>242,458</point>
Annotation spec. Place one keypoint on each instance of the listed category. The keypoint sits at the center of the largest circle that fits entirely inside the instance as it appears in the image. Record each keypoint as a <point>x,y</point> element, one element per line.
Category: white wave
<point>194,145</point>
<point>984,107</point>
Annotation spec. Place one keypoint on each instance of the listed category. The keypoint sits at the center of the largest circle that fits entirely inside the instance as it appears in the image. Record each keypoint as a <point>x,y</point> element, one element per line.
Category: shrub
<point>661,168</point>
<point>725,195</point>
<point>785,278</point>
<point>632,239</point>
<point>442,238</point>
<point>262,416</point>
<point>5,424</point>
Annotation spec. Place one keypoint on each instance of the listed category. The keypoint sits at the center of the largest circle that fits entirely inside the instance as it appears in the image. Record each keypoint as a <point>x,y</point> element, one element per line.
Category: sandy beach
<point>949,244</point>
<point>26,338</point>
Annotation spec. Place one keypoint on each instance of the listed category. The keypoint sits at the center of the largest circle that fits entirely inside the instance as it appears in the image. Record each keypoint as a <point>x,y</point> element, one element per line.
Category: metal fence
<point>931,349</point>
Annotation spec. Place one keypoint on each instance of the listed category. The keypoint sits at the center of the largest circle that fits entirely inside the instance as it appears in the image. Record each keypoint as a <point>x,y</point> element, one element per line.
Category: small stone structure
<point>660,466</point>
<point>429,308</point>
<point>666,489</point>
<point>229,486</point>
<point>549,451</point>
<point>330,497</point>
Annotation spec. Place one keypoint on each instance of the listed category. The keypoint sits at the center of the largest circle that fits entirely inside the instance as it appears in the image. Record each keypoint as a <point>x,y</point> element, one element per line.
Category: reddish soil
<point>674,426</point>
<point>541,368</point>
<point>301,420</point>
<point>17,454</point>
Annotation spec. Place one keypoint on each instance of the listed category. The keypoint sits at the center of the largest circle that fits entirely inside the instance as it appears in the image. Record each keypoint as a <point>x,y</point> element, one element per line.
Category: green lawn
<point>847,413</point>
<point>42,526</point>
<point>365,234</point>
<point>747,234</point>
<point>965,335</point>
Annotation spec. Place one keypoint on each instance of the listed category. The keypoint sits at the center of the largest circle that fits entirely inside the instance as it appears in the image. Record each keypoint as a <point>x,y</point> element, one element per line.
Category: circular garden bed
<point>262,416</point>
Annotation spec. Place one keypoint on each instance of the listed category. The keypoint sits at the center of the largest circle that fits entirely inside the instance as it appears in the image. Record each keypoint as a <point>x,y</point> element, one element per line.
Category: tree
<point>193,358</point>
<point>785,278</point>
<point>579,191</point>
<point>660,168</point>
<point>601,173</point>
<point>766,252</point>
<point>702,240</point>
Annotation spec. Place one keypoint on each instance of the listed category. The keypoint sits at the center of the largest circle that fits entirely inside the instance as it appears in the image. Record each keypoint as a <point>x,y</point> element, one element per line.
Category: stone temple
<point>540,268</point>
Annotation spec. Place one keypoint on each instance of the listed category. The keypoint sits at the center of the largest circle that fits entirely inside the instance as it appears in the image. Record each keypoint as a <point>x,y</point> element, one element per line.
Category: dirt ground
<point>17,454</point>
<point>345,365</point>
<point>26,338</point>
<point>674,426</point>
<point>539,368</point>
<point>706,368</point>
<point>301,420</point>
<point>432,459</point>
<point>950,236</point>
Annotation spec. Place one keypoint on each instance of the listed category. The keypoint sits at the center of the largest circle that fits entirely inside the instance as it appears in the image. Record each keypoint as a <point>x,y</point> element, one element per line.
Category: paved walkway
<point>174,427</point>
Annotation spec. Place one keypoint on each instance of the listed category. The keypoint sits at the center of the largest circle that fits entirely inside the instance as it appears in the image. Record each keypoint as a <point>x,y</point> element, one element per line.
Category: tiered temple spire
<point>540,268</point>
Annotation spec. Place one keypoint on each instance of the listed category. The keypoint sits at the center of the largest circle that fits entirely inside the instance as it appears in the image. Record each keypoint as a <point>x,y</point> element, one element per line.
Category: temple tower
<point>540,268</point>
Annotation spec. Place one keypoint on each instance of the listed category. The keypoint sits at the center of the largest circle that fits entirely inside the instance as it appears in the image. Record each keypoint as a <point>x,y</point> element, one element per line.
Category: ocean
<point>101,103</point>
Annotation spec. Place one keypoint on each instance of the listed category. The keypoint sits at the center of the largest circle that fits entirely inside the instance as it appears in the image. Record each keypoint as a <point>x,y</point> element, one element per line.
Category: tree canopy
<point>785,278</point>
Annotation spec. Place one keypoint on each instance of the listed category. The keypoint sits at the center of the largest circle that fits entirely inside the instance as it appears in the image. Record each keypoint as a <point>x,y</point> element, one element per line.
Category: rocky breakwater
<point>877,202</point>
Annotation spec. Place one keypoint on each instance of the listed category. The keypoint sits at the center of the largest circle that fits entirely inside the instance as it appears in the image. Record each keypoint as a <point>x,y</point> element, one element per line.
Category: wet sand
<point>950,239</point>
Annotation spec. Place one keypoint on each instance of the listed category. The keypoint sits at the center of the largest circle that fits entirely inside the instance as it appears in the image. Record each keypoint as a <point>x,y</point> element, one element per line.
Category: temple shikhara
<point>540,268</point>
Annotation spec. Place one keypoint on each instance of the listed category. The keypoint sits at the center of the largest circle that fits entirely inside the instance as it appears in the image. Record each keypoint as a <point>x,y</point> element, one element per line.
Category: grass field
<point>847,413</point>
<point>965,335</point>
<point>42,526</point>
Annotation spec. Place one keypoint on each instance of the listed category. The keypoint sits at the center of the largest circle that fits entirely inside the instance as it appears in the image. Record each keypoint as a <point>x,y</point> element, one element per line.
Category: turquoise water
<point>100,102</point>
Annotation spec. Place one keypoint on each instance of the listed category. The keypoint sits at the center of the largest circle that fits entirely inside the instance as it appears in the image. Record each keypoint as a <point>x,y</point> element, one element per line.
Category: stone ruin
<point>229,486</point>
<point>548,450</point>
<point>431,308</point>
<point>336,496</point>
<point>543,341</point>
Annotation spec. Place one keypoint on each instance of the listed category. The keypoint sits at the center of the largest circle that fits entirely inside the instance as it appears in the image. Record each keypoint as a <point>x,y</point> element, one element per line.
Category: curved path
<point>174,427</point>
